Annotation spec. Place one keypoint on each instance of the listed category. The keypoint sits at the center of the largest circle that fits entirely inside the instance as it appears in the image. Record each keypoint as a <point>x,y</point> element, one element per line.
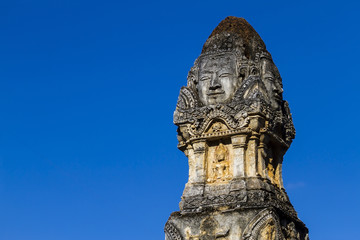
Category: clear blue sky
<point>88,89</point>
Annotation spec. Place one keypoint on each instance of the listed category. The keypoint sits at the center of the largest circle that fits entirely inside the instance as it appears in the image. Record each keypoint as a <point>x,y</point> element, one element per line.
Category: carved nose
<point>277,89</point>
<point>214,84</point>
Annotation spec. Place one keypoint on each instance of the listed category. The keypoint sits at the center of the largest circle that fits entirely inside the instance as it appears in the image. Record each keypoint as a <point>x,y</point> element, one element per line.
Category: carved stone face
<point>273,86</point>
<point>217,80</point>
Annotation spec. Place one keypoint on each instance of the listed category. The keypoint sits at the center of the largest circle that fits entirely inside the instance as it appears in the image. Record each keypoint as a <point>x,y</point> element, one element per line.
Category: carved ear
<point>254,71</point>
<point>192,78</point>
<point>243,73</point>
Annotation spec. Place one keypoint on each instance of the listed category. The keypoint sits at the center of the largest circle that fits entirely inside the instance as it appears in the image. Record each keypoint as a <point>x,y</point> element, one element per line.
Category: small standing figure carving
<point>209,230</point>
<point>221,163</point>
<point>291,233</point>
<point>268,232</point>
<point>271,170</point>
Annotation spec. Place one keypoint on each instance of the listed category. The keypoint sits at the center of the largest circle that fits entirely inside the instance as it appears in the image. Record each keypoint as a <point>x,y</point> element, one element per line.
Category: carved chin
<point>276,104</point>
<point>215,99</point>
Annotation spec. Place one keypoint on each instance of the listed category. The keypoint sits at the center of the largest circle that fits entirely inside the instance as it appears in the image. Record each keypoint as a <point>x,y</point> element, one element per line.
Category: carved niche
<point>209,230</point>
<point>219,162</point>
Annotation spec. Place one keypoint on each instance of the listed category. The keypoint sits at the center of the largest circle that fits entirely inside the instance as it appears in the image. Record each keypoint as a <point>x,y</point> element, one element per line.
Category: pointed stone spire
<point>234,127</point>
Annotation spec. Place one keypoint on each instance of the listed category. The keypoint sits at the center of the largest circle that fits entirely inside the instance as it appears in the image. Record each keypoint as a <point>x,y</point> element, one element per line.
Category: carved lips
<point>215,93</point>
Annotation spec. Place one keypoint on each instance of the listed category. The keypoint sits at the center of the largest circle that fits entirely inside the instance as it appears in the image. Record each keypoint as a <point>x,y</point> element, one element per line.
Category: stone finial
<point>237,34</point>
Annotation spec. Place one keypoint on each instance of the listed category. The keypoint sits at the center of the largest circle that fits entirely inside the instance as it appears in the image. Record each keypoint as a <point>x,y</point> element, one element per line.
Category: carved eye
<point>270,79</point>
<point>204,78</point>
<point>224,75</point>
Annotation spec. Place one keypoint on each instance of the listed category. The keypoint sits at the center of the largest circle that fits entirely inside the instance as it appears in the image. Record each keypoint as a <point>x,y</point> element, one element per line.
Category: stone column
<point>278,172</point>
<point>252,155</point>
<point>239,145</point>
<point>197,173</point>
<point>191,158</point>
<point>199,148</point>
<point>261,156</point>
<point>278,176</point>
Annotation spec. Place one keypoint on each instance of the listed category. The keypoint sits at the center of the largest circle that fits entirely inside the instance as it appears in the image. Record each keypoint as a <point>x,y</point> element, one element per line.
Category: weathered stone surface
<point>234,127</point>
<point>264,224</point>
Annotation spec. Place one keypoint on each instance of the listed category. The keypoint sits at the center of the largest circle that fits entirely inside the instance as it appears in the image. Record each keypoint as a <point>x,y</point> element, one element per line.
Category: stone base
<point>237,224</point>
<point>240,193</point>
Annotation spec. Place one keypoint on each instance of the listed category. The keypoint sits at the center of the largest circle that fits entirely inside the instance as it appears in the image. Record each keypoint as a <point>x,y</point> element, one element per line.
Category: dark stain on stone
<point>238,28</point>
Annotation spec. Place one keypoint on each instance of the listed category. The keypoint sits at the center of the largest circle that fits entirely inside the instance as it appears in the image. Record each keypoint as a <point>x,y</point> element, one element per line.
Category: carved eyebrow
<point>269,75</point>
<point>225,70</point>
<point>206,72</point>
<point>225,74</point>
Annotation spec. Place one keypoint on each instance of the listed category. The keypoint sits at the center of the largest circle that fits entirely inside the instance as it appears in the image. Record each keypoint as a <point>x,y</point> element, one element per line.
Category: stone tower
<point>234,127</point>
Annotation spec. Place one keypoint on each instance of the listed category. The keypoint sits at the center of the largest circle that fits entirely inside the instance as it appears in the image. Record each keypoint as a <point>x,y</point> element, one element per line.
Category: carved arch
<point>213,116</point>
<point>266,220</point>
<point>256,90</point>
<point>208,124</point>
<point>187,99</point>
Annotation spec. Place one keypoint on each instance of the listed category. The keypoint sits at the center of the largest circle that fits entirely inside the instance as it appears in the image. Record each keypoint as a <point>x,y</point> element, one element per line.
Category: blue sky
<point>88,89</point>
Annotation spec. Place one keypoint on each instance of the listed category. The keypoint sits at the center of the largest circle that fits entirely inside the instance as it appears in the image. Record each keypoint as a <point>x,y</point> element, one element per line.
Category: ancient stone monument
<point>234,127</point>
